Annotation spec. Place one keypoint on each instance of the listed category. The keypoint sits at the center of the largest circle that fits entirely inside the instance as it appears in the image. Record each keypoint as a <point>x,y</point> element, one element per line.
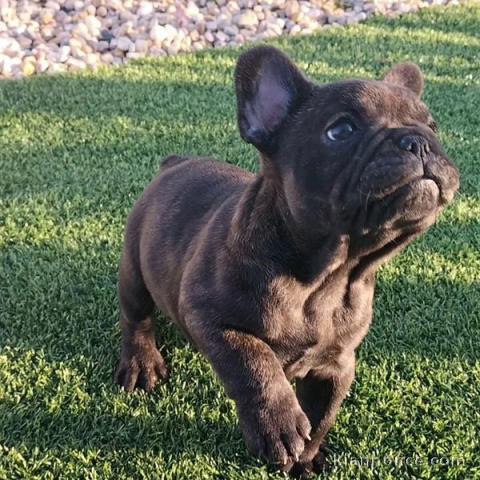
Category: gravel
<point>60,35</point>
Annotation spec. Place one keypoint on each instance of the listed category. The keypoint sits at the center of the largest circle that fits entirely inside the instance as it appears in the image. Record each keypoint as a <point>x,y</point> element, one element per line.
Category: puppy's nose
<point>416,144</point>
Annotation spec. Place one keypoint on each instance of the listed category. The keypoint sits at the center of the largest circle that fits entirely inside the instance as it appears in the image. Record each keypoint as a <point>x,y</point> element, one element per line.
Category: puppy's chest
<point>314,327</point>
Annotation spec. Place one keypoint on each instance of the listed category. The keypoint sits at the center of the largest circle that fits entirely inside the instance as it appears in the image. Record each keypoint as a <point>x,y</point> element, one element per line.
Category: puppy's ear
<point>407,75</point>
<point>269,88</point>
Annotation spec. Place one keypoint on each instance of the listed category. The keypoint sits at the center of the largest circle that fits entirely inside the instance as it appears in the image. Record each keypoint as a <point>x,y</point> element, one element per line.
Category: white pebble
<point>107,58</point>
<point>145,9</point>
<point>158,34</point>
<point>91,59</point>
<point>212,26</point>
<point>209,37</point>
<point>123,43</point>
<point>102,11</point>
<point>247,19</point>
<point>231,30</point>
<point>102,46</point>
<point>41,66</point>
<point>81,30</point>
<point>221,37</point>
<point>141,45</point>
<point>63,54</point>
<point>93,24</point>
<point>24,42</point>
<point>56,68</point>
<point>75,64</point>
<point>51,5</point>
<point>135,55</point>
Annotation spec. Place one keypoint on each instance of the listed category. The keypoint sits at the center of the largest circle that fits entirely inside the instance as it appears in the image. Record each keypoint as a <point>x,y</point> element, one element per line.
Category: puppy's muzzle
<point>416,144</point>
<point>436,165</point>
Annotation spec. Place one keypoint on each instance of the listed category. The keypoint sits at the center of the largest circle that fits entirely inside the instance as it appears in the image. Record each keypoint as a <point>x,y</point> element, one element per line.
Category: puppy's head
<point>350,157</point>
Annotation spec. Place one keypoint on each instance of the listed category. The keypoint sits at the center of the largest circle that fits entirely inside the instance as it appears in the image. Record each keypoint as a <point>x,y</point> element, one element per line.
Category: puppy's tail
<point>172,160</point>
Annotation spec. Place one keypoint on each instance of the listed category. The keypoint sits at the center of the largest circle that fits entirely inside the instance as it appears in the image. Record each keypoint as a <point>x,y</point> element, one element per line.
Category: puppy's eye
<point>341,130</point>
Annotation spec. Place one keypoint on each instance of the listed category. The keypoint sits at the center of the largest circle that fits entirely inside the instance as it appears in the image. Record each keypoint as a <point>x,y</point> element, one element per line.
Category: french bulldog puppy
<point>272,276</point>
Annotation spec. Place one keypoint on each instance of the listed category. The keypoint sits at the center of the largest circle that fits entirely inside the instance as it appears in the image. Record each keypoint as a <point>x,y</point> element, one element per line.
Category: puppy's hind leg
<point>141,364</point>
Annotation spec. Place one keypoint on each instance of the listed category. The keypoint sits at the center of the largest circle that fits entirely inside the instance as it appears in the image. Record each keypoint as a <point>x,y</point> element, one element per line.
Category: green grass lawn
<point>75,152</point>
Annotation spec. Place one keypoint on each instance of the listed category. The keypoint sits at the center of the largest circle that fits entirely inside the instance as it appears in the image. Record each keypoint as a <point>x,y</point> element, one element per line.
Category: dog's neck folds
<point>265,228</point>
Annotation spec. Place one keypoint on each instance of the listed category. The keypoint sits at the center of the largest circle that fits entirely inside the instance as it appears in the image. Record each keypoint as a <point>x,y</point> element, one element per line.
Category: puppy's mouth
<point>401,190</point>
<point>391,176</point>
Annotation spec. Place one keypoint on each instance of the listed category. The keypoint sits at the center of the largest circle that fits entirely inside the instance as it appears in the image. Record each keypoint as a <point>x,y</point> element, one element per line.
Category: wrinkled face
<point>356,157</point>
<point>369,155</point>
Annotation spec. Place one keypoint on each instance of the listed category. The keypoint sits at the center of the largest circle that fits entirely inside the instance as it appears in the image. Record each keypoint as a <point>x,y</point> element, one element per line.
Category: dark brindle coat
<point>272,275</point>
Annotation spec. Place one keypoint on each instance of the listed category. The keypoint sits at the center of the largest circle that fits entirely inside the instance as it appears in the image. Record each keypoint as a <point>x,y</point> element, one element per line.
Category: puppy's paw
<point>141,367</point>
<point>305,469</point>
<point>276,431</point>
<point>319,462</point>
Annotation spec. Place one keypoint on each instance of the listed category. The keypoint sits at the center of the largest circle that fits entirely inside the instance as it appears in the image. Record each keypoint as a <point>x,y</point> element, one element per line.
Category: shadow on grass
<point>110,161</point>
<point>64,301</point>
<point>34,426</point>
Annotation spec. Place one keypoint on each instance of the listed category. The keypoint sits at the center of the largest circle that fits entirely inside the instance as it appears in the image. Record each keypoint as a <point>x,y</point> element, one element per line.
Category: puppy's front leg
<point>321,396</point>
<point>272,421</point>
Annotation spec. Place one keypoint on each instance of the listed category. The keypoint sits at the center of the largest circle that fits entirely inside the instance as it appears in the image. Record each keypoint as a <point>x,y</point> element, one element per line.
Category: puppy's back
<point>166,221</point>
<point>173,160</point>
